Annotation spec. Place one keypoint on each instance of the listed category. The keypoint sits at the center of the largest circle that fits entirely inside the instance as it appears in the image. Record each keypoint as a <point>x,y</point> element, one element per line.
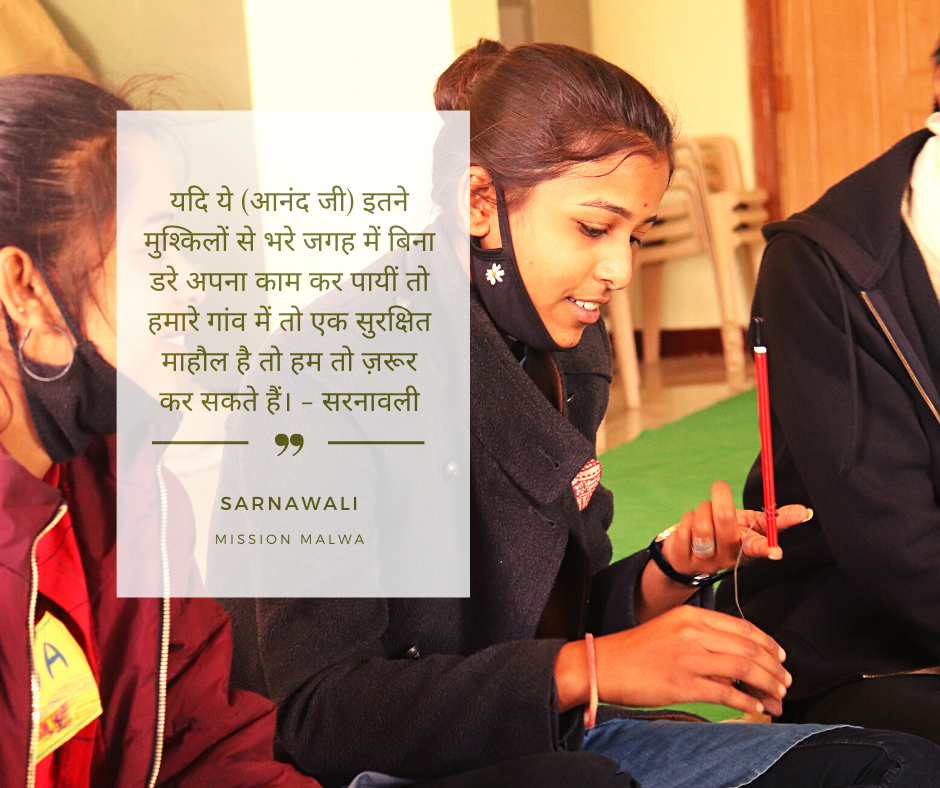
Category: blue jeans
<point>540,770</point>
<point>669,754</point>
<point>708,755</point>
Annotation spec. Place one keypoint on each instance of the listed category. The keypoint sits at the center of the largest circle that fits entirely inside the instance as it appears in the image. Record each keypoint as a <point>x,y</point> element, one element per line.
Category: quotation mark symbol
<point>294,440</point>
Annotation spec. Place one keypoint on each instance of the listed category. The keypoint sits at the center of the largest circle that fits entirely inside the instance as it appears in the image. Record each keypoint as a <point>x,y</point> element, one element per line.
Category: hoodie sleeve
<point>855,433</point>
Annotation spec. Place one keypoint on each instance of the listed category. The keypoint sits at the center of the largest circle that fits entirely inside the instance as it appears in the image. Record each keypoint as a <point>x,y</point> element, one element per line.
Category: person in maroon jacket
<point>94,690</point>
<point>97,690</point>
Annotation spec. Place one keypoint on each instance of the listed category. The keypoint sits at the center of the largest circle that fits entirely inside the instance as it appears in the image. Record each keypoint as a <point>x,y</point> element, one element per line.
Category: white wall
<point>472,20</point>
<point>355,54</point>
<point>299,54</point>
<point>200,45</point>
<point>693,55</point>
<point>374,54</point>
<point>368,54</point>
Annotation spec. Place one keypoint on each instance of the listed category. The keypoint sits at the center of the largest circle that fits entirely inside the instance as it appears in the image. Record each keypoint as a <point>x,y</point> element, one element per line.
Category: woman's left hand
<point>709,539</point>
<point>716,530</point>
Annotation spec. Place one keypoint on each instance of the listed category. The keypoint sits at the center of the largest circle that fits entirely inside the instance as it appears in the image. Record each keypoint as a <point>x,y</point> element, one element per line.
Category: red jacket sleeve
<point>215,736</point>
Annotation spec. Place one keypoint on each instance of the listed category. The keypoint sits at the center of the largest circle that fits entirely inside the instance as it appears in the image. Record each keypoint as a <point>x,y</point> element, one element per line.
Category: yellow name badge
<point>68,693</point>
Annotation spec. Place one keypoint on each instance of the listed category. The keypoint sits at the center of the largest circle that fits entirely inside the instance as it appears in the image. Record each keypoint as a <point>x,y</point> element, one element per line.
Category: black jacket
<point>426,687</point>
<point>852,329</point>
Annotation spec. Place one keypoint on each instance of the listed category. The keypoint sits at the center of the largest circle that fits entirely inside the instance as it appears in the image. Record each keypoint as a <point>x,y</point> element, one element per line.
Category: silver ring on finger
<point>703,548</point>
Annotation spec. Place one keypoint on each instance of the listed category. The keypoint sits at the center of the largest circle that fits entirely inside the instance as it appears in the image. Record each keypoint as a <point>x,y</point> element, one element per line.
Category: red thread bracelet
<point>590,713</point>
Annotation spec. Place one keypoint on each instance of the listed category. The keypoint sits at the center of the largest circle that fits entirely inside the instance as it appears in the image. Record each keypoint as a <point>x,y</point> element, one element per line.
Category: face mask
<point>68,412</point>
<point>497,280</point>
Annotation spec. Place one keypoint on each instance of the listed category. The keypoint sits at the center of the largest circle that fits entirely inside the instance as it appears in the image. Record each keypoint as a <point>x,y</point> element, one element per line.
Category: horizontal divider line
<point>375,443</point>
<point>199,443</point>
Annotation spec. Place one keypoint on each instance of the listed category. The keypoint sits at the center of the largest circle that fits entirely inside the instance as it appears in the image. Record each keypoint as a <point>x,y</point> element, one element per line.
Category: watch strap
<point>694,581</point>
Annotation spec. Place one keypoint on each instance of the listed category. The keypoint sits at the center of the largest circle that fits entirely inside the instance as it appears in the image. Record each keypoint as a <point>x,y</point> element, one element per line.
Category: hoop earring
<point>33,375</point>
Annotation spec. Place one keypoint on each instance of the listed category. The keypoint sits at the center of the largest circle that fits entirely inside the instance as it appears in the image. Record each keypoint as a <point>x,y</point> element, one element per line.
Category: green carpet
<point>662,474</point>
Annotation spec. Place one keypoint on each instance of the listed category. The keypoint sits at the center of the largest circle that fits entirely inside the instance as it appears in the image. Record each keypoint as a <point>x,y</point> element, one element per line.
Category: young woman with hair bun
<point>570,157</point>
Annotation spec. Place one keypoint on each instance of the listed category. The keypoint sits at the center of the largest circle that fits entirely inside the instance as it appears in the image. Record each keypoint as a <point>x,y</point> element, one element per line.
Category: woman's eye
<point>592,232</point>
<point>634,241</point>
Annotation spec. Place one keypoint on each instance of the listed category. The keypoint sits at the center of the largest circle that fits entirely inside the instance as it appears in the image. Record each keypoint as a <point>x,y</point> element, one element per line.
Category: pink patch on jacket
<point>585,483</point>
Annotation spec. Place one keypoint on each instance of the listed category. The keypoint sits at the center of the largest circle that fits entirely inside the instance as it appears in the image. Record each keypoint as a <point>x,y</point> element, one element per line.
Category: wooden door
<point>843,81</point>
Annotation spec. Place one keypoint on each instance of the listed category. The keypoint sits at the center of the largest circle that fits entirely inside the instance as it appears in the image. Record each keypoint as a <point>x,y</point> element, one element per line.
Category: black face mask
<point>497,280</point>
<point>70,411</point>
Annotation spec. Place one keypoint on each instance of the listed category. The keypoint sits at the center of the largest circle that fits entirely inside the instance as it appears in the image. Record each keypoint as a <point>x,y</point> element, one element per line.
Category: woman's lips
<point>587,311</point>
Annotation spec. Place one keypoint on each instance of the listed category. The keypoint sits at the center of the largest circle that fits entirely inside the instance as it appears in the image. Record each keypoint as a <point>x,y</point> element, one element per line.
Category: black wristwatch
<point>694,581</point>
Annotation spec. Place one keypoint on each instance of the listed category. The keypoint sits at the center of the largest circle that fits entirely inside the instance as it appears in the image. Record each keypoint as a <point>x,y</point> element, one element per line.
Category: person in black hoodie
<point>848,291</point>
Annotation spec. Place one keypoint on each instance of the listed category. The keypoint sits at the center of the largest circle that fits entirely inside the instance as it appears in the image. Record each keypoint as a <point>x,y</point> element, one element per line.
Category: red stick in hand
<point>766,445</point>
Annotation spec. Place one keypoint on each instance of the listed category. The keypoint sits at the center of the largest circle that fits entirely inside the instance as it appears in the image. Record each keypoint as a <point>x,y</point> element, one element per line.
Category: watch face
<point>665,534</point>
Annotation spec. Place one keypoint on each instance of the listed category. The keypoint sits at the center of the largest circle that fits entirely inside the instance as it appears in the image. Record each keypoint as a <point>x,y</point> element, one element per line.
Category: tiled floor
<point>674,388</point>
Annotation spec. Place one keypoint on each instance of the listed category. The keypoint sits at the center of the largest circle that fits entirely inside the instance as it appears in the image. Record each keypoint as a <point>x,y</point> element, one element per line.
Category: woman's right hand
<point>687,654</point>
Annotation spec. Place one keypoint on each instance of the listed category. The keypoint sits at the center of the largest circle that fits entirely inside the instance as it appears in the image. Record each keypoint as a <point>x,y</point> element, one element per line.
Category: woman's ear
<point>478,205</point>
<point>23,292</point>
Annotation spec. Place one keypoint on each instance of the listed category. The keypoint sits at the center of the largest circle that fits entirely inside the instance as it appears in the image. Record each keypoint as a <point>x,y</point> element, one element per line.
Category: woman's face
<point>573,237</point>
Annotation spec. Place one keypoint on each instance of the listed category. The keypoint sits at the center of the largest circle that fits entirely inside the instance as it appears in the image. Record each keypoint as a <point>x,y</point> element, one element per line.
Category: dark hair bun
<point>460,75</point>
<point>538,109</point>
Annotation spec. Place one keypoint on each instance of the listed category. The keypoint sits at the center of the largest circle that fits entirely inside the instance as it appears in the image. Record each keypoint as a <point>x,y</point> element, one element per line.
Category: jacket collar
<point>858,221</point>
<point>534,444</point>
<point>27,505</point>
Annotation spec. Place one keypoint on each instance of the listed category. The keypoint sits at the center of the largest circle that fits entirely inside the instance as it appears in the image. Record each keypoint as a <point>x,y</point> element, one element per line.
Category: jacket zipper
<point>897,350</point>
<point>33,673</point>
<point>164,634</point>
<point>934,671</point>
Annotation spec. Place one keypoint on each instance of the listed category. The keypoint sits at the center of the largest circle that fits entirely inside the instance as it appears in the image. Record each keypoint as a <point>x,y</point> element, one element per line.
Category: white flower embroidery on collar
<point>495,274</point>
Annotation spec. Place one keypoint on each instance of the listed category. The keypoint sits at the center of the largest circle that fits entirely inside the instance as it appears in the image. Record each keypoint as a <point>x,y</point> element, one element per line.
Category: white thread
<point>737,565</point>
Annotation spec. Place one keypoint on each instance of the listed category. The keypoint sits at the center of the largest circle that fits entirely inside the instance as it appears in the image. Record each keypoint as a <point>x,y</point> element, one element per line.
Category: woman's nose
<point>616,270</point>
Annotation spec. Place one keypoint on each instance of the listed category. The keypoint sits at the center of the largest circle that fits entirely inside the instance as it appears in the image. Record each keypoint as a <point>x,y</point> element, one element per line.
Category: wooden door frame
<point>761,21</point>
